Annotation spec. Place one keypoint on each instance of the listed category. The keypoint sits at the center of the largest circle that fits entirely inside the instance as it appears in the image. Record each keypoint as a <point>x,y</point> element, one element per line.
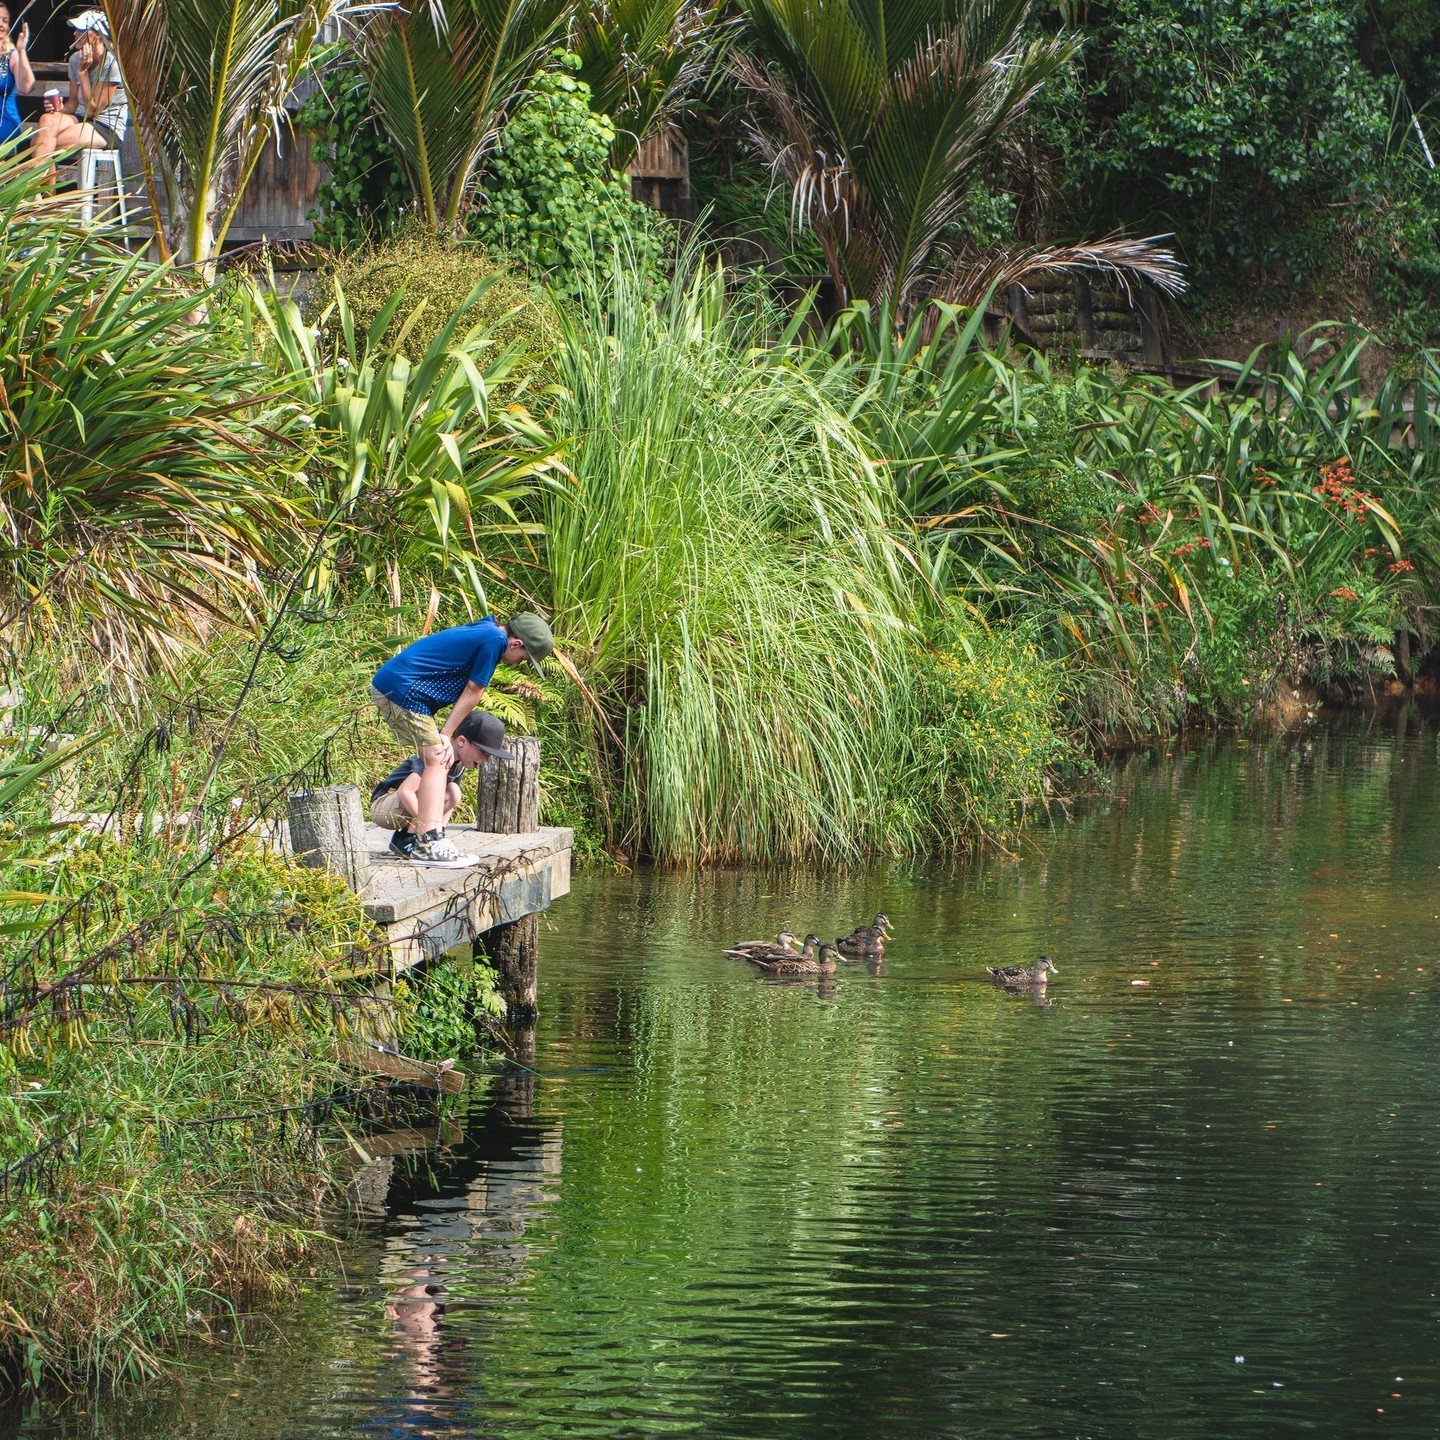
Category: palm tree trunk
<point>198,250</point>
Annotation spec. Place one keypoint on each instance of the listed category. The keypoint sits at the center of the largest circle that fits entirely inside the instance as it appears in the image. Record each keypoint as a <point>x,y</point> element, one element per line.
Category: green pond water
<point>1195,1194</point>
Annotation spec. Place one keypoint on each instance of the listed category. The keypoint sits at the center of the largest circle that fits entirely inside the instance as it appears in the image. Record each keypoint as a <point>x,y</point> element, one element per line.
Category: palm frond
<point>643,58</point>
<point>207,81</point>
<point>442,80</point>
<point>879,115</point>
<point>1129,261</point>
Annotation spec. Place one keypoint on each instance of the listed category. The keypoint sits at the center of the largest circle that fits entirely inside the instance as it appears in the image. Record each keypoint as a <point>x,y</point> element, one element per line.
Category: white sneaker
<point>437,850</point>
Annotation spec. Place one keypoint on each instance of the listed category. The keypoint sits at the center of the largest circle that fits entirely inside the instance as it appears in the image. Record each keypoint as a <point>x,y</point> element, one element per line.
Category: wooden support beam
<point>1084,312</point>
<point>376,1060</point>
<point>1152,329</point>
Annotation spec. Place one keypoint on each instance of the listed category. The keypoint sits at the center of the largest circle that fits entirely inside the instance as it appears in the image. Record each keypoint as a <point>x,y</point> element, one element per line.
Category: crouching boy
<point>395,801</point>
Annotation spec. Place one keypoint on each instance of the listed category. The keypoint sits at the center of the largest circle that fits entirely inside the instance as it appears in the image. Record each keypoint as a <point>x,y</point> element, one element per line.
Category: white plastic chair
<point>90,161</point>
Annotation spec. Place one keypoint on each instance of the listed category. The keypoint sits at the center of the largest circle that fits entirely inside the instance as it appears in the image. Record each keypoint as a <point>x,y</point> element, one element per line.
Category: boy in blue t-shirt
<point>451,667</point>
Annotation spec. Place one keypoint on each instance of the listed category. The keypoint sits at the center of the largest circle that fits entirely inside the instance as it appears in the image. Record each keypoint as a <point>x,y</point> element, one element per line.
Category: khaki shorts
<point>389,813</point>
<point>411,727</point>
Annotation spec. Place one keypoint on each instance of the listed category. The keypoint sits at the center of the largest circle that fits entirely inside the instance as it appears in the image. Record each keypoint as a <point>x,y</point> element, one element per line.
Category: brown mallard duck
<point>810,960</point>
<point>784,941</point>
<point>865,942</point>
<point>1023,977</point>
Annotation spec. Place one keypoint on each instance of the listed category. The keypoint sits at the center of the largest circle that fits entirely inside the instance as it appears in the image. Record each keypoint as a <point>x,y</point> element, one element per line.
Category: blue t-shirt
<point>434,670</point>
<point>9,107</point>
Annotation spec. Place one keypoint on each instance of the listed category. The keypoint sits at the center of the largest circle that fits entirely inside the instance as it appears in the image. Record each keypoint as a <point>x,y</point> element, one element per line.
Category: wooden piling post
<point>514,951</point>
<point>507,801</point>
<point>327,832</point>
<point>1152,330</point>
<point>513,1091</point>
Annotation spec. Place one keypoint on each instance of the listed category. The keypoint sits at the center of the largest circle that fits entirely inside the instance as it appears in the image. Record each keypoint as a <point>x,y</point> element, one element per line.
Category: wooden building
<point>281,194</point>
<point>660,174</point>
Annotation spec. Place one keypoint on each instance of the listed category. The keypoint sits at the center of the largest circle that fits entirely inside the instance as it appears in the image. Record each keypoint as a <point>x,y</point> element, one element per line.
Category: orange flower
<point>1344,593</point>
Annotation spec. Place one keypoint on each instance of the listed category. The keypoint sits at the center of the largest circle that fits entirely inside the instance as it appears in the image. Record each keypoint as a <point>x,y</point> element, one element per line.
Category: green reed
<point>732,579</point>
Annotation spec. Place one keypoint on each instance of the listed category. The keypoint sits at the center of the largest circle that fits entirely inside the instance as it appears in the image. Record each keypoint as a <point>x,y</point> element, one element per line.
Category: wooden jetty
<point>425,912</point>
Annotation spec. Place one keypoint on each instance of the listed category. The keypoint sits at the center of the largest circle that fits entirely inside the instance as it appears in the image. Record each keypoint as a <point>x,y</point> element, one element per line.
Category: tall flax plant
<point>732,579</point>
<point>1117,514</point>
<point>422,464</point>
<point>207,81</point>
<point>142,492</point>
<point>442,77</point>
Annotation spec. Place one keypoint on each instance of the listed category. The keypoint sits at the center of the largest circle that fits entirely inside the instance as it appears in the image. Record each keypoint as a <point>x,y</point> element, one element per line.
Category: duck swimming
<point>783,941</point>
<point>1024,977</point>
<point>807,962</point>
<point>866,941</point>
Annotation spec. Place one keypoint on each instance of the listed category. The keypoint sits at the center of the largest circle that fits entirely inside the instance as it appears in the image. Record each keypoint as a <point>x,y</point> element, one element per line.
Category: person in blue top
<point>450,668</point>
<point>16,76</point>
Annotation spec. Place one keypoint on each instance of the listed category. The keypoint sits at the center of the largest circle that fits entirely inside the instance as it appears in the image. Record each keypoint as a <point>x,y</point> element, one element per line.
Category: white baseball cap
<point>91,20</point>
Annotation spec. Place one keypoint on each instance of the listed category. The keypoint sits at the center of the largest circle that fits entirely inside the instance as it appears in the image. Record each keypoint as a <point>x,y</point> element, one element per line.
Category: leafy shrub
<point>1230,121</point>
<point>436,278</point>
<point>548,199</point>
<point>364,193</point>
<point>199,990</point>
<point>437,1009</point>
<point>983,721</point>
<point>1053,480</point>
<point>1246,647</point>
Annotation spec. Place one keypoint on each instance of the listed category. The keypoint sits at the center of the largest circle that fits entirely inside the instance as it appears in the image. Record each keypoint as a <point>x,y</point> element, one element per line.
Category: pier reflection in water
<point>1194,1195</point>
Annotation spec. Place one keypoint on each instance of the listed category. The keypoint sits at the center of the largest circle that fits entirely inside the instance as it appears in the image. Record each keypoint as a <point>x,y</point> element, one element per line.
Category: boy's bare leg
<point>409,797</point>
<point>430,796</point>
<point>452,799</point>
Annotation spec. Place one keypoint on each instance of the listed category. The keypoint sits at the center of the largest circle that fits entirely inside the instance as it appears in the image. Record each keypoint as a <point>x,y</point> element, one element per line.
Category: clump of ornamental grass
<point>731,577</point>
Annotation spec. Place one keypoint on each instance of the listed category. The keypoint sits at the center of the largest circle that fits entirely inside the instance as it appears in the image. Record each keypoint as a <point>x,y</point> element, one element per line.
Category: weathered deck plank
<point>426,911</point>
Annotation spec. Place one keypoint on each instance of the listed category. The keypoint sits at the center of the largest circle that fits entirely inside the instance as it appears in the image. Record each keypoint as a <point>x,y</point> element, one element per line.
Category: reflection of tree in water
<point>457,1244</point>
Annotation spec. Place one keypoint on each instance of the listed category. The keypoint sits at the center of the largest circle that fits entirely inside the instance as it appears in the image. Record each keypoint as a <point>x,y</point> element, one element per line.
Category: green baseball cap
<point>539,642</point>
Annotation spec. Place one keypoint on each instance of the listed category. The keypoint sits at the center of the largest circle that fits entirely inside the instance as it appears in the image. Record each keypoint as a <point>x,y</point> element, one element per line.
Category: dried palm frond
<point>1127,260</point>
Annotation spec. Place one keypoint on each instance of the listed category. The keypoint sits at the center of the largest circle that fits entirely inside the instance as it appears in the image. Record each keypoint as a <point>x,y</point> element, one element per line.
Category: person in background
<point>451,667</point>
<point>98,113</point>
<point>16,76</point>
<point>395,801</point>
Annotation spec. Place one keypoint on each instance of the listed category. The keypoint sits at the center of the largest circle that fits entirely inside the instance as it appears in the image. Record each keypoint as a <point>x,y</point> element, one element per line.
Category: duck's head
<point>828,956</point>
<point>785,940</point>
<point>882,923</point>
<point>811,941</point>
<point>1045,966</point>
